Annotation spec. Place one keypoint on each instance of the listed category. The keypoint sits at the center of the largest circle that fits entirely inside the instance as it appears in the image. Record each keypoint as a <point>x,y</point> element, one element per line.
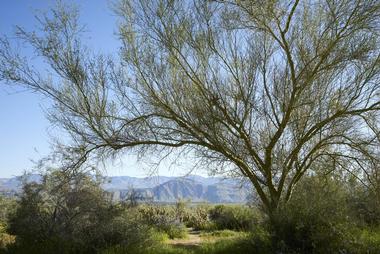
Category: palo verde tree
<point>267,89</point>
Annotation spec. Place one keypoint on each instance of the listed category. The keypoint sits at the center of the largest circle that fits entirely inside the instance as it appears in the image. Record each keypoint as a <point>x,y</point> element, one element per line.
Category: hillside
<point>161,188</point>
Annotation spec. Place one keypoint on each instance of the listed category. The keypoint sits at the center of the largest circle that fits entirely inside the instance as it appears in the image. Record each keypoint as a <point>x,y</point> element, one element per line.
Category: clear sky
<point>23,127</point>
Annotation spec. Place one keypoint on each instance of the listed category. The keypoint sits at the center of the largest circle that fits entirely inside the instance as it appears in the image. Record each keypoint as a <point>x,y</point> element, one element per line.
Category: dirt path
<point>192,240</point>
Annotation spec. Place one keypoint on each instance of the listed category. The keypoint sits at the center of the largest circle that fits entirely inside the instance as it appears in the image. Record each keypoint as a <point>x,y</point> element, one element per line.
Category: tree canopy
<point>267,89</point>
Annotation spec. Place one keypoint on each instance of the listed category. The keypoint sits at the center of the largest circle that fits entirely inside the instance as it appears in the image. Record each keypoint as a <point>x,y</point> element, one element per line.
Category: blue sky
<point>23,127</point>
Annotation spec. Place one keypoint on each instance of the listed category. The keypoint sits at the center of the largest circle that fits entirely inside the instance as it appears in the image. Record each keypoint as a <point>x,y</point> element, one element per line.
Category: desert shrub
<point>164,219</point>
<point>7,206</point>
<point>368,241</point>
<point>315,220</point>
<point>198,218</point>
<point>128,230</point>
<point>157,215</point>
<point>365,203</point>
<point>176,230</point>
<point>233,217</point>
<point>326,214</point>
<point>260,240</point>
<point>133,236</point>
<point>72,214</point>
<point>5,238</point>
<point>180,210</point>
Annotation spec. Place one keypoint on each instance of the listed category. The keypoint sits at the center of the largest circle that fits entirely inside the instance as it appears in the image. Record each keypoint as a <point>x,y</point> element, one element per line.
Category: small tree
<point>64,211</point>
<point>266,89</point>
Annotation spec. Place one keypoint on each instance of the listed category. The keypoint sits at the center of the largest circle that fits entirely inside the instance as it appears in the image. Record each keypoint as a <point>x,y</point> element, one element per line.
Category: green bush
<point>157,215</point>
<point>7,206</point>
<point>367,241</point>
<point>146,240</point>
<point>72,214</point>
<point>315,220</point>
<point>129,230</point>
<point>176,230</point>
<point>365,203</point>
<point>233,217</point>
<point>260,241</point>
<point>5,238</point>
<point>163,218</point>
<point>198,218</point>
<point>180,210</point>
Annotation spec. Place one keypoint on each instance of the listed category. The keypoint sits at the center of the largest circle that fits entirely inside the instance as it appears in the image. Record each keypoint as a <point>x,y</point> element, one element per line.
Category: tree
<point>64,213</point>
<point>267,89</point>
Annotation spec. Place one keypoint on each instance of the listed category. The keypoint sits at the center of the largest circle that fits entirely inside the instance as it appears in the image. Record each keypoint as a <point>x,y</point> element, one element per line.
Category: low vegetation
<point>72,214</point>
<point>285,94</point>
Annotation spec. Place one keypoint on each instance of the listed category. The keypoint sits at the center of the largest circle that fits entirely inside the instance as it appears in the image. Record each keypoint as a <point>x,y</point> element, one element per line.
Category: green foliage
<point>64,212</point>
<point>163,218</point>
<point>7,205</point>
<point>236,245</point>
<point>198,218</point>
<point>72,214</point>
<point>220,233</point>
<point>176,230</point>
<point>233,217</point>
<point>180,210</point>
<point>315,220</point>
<point>157,215</point>
<point>5,238</point>
<point>77,217</point>
<point>145,240</point>
<point>365,203</point>
<point>368,241</point>
<point>130,231</point>
<point>260,240</point>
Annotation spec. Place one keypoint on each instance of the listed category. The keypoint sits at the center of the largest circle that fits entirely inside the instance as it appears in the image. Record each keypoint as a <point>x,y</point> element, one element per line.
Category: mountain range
<point>163,189</point>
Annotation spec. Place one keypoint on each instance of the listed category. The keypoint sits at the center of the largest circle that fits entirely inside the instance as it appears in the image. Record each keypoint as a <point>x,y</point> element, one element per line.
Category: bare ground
<point>193,239</point>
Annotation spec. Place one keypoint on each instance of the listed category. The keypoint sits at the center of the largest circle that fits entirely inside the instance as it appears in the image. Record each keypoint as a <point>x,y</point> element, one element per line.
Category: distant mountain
<point>123,182</point>
<point>162,188</point>
<point>14,183</point>
<point>217,192</point>
<point>212,190</point>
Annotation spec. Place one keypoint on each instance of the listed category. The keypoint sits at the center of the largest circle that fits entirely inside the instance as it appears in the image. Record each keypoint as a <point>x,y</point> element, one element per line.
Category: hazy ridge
<point>160,188</point>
